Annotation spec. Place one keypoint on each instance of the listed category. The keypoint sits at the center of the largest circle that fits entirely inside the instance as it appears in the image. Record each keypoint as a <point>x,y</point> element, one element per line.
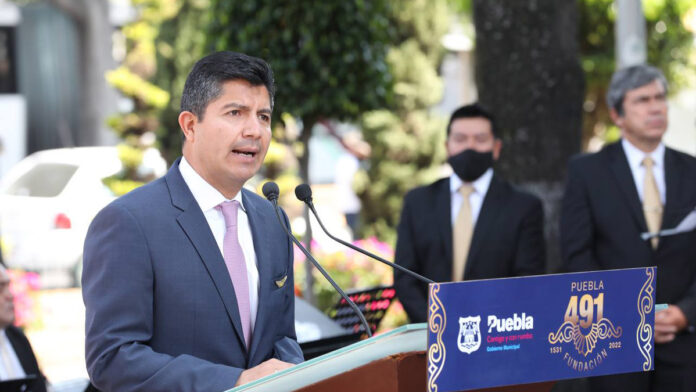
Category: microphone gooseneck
<point>304,193</point>
<point>270,190</point>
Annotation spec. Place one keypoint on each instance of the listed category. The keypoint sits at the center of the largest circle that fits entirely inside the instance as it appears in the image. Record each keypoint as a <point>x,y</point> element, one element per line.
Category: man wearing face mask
<point>471,225</point>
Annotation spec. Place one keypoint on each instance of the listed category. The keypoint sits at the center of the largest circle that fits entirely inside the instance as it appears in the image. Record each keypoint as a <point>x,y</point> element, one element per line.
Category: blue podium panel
<point>522,330</point>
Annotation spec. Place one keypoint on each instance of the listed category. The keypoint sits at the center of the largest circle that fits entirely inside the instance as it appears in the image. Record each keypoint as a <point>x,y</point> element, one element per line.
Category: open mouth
<point>248,154</point>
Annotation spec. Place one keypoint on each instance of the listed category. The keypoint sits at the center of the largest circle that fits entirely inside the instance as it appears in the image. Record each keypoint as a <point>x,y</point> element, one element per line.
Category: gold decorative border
<point>644,333</point>
<point>436,325</point>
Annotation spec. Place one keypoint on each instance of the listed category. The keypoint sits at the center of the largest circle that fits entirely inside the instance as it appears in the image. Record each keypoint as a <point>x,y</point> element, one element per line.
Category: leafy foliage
<point>137,128</point>
<point>669,44</point>
<point>407,140</point>
<point>179,44</point>
<point>328,58</point>
<point>134,86</point>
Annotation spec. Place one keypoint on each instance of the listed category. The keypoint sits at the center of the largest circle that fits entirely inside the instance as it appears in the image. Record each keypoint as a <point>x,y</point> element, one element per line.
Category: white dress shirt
<point>207,198</point>
<point>635,162</point>
<point>9,363</point>
<point>476,197</point>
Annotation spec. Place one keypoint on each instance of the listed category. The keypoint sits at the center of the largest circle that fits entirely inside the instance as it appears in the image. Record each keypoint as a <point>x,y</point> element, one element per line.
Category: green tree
<point>407,140</point>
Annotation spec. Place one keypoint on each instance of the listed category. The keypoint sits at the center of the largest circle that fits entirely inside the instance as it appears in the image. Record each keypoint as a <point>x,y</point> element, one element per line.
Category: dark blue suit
<point>161,309</point>
<point>508,240</point>
<point>601,223</point>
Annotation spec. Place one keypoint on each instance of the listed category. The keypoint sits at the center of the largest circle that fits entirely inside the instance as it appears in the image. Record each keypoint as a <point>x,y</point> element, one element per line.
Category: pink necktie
<point>236,265</point>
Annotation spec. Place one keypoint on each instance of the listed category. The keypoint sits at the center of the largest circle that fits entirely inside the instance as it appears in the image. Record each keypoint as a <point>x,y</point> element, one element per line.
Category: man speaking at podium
<point>472,225</point>
<point>630,187</point>
<point>188,281</point>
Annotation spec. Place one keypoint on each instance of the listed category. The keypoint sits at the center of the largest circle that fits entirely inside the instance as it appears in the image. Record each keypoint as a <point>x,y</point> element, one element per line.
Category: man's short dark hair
<point>204,82</point>
<point>631,78</point>
<point>472,111</point>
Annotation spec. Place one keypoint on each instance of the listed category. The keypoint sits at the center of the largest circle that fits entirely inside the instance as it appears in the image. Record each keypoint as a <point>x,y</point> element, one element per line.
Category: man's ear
<point>497,146</point>
<point>187,123</point>
<point>616,117</point>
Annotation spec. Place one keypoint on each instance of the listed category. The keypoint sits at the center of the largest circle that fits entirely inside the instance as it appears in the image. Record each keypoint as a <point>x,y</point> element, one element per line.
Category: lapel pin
<point>281,282</point>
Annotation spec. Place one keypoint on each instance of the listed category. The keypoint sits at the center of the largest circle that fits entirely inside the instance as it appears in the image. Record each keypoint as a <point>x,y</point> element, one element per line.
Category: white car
<point>48,200</point>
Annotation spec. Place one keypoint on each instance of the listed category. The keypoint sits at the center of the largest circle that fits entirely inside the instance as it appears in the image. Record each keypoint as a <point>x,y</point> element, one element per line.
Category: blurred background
<point>89,98</point>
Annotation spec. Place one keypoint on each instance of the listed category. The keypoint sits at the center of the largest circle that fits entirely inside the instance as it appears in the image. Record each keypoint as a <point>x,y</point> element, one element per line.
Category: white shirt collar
<point>12,360</point>
<point>205,194</point>
<point>480,185</point>
<point>635,156</point>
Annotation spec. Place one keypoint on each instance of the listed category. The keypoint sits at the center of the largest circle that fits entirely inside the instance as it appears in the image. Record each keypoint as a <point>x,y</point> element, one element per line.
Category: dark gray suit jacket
<point>601,223</point>
<point>508,240</point>
<point>161,309</point>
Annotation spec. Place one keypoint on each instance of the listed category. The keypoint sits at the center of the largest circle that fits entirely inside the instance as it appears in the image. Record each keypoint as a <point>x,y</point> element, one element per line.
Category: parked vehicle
<point>48,200</point>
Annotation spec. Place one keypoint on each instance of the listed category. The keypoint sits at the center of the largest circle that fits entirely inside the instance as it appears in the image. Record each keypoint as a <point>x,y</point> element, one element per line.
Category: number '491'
<point>584,312</point>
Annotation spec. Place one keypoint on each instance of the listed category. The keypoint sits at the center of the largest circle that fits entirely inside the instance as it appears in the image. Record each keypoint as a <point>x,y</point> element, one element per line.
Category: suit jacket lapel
<point>443,219</point>
<point>674,174</point>
<point>262,246</point>
<point>624,179</point>
<point>490,209</point>
<point>196,227</point>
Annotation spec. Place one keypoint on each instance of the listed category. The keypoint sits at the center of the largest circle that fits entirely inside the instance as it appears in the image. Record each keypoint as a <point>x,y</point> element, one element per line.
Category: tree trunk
<point>98,99</point>
<point>528,74</point>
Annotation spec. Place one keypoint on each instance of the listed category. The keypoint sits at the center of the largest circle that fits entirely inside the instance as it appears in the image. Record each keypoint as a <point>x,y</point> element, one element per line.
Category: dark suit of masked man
<point>472,225</point>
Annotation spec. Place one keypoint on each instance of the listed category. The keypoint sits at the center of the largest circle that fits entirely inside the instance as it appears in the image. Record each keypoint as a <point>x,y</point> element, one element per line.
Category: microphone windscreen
<point>303,192</point>
<point>270,190</point>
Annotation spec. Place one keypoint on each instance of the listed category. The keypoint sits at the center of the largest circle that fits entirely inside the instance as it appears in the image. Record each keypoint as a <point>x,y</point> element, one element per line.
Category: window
<point>43,180</point>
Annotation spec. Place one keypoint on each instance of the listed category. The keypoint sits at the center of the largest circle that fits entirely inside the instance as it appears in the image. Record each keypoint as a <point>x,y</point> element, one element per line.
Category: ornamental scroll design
<point>585,343</point>
<point>644,333</point>
<point>436,326</point>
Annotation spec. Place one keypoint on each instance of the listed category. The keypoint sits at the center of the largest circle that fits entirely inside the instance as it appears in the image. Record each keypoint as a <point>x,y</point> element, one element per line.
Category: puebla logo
<point>469,338</point>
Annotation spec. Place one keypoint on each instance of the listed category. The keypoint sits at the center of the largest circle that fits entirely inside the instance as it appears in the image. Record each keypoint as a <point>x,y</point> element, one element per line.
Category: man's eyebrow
<point>244,107</point>
<point>649,96</point>
<point>235,105</point>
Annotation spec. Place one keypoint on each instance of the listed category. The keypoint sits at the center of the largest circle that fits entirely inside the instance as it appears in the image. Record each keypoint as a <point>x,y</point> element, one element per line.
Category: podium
<point>391,362</point>
<point>510,334</point>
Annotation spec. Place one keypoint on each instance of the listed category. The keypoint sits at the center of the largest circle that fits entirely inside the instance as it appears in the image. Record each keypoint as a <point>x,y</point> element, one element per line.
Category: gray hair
<point>630,78</point>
